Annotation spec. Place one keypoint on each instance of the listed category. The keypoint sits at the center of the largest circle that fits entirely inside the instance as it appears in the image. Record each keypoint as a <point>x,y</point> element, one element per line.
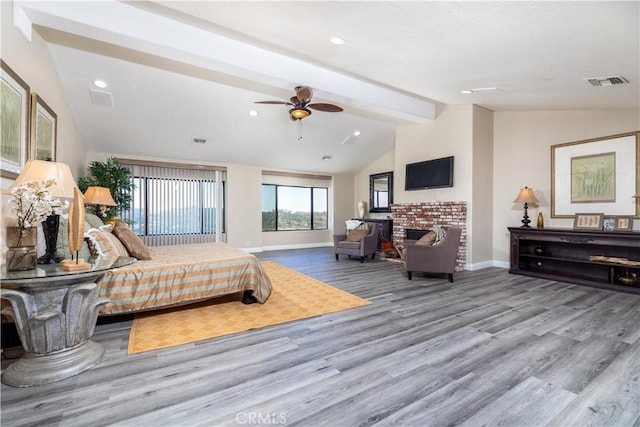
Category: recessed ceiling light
<point>339,41</point>
<point>466,91</point>
<point>100,83</point>
<point>356,133</point>
<point>254,113</point>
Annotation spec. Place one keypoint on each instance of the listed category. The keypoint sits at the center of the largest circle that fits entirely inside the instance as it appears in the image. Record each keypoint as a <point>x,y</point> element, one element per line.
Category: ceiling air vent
<point>199,141</point>
<point>607,81</point>
<point>101,98</point>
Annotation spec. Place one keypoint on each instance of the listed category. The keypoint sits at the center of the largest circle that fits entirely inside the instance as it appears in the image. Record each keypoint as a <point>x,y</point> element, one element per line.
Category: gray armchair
<point>365,247</point>
<point>434,259</point>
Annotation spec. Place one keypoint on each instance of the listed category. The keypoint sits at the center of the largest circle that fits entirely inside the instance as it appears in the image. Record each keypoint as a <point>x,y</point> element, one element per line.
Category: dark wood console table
<point>385,225</point>
<point>564,255</point>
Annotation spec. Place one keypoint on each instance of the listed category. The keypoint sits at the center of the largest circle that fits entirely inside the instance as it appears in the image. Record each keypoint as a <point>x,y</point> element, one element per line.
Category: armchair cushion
<point>427,239</point>
<point>356,235</point>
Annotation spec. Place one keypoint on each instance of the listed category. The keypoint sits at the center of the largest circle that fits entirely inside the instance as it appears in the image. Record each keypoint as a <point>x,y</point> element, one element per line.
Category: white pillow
<point>352,224</point>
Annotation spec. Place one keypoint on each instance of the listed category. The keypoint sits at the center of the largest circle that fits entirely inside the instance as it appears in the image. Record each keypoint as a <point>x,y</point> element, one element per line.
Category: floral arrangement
<point>32,202</point>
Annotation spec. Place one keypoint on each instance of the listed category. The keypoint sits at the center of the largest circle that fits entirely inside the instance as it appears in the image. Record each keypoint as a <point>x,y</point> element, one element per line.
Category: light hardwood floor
<point>489,349</point>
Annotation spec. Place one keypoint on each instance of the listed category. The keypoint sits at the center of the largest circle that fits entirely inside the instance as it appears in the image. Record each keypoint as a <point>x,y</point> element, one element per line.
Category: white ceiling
<point>183,70</point>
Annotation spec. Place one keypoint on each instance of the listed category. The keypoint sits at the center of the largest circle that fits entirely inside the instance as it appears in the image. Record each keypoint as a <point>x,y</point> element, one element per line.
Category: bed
<point>183,274</point>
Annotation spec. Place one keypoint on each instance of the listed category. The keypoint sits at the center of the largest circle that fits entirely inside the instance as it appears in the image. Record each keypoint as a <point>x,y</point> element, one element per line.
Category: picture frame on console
<point>596,175</point>
<point>623,223</point>
<point>609,223</point>
<point>588,221</point>
<point>15,121</point>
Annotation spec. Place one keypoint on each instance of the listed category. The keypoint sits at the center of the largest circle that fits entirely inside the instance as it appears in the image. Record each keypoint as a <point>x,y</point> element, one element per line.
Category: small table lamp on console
<point>526,196</point>
<point>100,197</point>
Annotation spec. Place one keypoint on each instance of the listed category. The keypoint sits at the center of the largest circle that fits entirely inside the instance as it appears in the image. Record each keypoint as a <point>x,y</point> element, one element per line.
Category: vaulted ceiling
<point>176,71</point>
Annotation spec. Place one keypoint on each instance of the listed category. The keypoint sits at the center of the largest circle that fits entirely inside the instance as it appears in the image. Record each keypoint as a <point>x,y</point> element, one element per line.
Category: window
<point>176,205</point>
<point>294,208</point>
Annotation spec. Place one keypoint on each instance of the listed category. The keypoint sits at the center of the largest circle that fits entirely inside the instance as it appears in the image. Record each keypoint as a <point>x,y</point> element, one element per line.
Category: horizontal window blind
<point>176,204</point>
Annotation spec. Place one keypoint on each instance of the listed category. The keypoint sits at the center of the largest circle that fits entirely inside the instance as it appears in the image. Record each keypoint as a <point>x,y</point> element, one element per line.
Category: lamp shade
<point>98,196</point>
<point>40,170</point>
<point>526,196</point>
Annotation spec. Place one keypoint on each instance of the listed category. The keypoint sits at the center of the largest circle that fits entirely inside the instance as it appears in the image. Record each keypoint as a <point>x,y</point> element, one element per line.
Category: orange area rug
<point>294,296</point>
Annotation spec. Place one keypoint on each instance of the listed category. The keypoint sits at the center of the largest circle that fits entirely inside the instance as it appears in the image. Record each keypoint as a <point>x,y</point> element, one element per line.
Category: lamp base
<point>525,219</point>
<point>50,230</point>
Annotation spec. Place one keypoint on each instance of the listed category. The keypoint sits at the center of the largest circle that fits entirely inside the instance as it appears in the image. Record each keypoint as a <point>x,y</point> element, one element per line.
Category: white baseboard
<point>487,264</point>
<point>284,247</point>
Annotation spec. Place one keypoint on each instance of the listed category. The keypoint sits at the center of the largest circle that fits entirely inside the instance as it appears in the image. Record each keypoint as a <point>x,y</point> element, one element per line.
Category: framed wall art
<point>44,128</point>
<point>588,221</point>
<point>15,106</point>
<point>596,175</point>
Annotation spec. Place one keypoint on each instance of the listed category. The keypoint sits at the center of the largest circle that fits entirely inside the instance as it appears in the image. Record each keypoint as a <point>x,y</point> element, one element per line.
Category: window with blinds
<point>176,204</point>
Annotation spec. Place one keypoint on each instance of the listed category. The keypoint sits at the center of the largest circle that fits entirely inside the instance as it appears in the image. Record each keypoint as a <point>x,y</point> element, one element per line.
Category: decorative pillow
<point>93,219</point>
<point>103,243</point>
<point>440,234</point>
<point>427,239</point>
<point>362,226</point>
<point>134,244</point>
<point>62,244</point>
<point>356,235</point>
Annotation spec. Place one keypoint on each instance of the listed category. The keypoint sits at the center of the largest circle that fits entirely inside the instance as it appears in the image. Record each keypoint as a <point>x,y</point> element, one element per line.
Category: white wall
<point>522,157</point>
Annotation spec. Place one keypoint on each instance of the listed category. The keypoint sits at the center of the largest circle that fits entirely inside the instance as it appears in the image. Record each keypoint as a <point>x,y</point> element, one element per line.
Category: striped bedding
<point>182,274</point>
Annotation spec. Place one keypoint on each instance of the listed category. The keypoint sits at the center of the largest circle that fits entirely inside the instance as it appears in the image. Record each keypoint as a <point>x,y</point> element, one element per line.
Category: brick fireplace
<point>423,216</point>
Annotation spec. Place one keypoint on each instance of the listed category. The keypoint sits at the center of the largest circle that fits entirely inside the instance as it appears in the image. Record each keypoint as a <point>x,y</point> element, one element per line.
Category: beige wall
<point>244,205</point>
<point>361,183</point>
<point>522,156</point>
<point>480,211</point>
<point>33,63</point>
<point>449,135</point>
<point>344,203</point>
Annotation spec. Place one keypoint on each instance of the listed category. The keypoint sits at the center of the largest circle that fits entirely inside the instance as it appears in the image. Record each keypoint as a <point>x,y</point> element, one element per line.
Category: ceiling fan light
<point>299,113</point>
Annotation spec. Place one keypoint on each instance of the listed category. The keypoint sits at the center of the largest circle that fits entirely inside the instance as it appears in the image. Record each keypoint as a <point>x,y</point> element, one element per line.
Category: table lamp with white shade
<point>63,188</point>
<point>100,197</point>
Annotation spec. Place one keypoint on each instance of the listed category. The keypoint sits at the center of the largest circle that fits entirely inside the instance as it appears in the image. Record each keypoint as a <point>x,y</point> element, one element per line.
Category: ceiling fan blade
<point>273,102</point>
<point>327,108</point>
<point>304,94</point>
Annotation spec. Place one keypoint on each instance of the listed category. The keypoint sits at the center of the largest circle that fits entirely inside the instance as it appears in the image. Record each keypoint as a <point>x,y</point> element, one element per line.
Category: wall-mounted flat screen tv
<point>436,173</point>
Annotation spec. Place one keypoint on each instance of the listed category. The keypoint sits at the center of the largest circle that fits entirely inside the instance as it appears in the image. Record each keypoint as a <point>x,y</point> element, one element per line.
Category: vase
<point>21,248</point>
<point>540,222</point>
<point>361,207</point>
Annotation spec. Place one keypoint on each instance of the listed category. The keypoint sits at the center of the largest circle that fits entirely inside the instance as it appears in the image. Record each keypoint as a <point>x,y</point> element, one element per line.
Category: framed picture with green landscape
<point>596,175</point>
<point>14,130</point>
<point>44,128</point>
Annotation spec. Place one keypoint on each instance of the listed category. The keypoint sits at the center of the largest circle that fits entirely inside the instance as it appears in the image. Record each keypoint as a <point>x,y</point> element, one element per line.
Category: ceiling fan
<point>301,106</point>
